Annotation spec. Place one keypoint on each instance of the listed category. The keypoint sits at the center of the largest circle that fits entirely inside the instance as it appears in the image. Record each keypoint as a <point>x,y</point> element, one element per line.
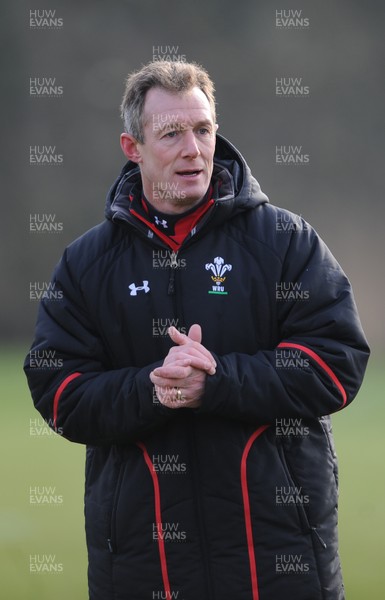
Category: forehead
<point>177,107</point>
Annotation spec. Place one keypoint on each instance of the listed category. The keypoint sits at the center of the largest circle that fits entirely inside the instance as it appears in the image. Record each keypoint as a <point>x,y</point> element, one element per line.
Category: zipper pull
<point>110,546</point>
<point>314,530</point>
<point>174,262</point>
<point>173,266</point>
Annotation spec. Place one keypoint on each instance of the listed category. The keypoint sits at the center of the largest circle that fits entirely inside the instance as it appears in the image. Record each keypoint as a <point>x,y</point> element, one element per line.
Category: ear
<point>130,147</point>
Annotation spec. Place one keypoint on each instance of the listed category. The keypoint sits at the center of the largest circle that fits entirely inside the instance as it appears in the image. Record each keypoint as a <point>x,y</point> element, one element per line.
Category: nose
<point>190,147</point>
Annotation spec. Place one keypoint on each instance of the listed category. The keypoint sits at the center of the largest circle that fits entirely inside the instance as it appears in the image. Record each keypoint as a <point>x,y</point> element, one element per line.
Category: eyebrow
<point>182,122</point>
<point>204,122</point>
<point>177,123</point>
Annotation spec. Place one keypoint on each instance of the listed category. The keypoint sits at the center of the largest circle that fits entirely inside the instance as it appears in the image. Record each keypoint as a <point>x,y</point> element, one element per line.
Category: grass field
<point>52,534</point>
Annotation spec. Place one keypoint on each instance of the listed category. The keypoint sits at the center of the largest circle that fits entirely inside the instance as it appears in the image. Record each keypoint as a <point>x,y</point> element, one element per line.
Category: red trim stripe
<point>158,519</point>
<point>186,224</point>
<point>246,506</point>
<point>58,394</point>
<point>182,227</point>
<point>173,245</point>
<point>322,364</point>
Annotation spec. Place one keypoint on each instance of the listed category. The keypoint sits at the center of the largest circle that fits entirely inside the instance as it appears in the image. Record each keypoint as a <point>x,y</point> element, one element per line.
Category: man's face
<point>176,158</point>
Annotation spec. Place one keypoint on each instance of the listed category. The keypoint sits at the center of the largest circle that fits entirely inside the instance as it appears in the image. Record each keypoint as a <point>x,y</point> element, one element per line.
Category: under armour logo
<point>138,288</point>
<point>159,222</point>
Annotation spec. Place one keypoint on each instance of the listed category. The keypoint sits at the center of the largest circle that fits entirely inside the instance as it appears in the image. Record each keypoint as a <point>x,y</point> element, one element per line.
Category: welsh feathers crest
<point>218,269</point>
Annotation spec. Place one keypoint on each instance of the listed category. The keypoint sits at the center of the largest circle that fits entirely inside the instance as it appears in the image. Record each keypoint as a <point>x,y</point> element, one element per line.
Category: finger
<point>175,377</point>
<point>169,399</point>
<point>165,384</point>
<point>177,369</point>
<point>195,333</point>
<point>177,353</point>
<point>166,394</point>
<point>178,337</point>
<point>187,364</point>
<point>169,403</point>
<point>181,352</point>
<point>182,339</point>
<point>190,357</point>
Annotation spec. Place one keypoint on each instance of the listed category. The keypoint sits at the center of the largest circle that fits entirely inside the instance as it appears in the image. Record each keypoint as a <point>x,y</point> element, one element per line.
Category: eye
<point>204,130</point>
<point>170,134</point>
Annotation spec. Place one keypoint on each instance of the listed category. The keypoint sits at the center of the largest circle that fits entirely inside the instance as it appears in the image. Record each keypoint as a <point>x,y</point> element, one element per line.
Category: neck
<point>175,206</point>
<point>178,208</point>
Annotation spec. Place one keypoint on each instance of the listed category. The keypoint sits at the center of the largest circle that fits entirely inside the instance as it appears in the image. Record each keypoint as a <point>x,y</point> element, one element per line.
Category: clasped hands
<point>180,381</point>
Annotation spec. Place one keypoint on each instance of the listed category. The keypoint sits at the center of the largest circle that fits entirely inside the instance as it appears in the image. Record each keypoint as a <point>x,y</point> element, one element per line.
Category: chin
<point>190,196</point>
<point>186,200</point>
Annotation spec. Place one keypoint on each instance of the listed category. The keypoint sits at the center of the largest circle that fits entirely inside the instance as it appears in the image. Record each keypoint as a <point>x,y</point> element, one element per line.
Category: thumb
<point>176,336</point>
<point>195,333</point>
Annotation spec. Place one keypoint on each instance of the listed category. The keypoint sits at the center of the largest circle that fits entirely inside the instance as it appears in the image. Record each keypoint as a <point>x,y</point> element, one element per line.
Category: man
<point>211,472</point>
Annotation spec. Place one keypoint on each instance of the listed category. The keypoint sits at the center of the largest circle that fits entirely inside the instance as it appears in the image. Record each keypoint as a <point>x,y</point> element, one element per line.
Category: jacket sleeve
<point>72,383</point>
<point>318,363</point>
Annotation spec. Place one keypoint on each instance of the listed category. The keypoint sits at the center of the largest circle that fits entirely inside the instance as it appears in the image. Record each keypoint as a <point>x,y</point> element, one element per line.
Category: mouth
<point>189,173</point>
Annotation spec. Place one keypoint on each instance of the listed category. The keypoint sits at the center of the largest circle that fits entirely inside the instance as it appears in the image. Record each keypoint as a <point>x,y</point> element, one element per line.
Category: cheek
<point>209,150</point>
<point>209,159</point>
<point>153,163</point>
<point>161,159</point>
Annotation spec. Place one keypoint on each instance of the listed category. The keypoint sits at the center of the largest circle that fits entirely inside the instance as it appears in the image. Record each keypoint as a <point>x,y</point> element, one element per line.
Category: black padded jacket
<point>236,500</point>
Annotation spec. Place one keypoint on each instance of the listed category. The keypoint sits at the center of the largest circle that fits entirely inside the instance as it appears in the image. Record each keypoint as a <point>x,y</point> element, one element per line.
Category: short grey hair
<point>173,76</point>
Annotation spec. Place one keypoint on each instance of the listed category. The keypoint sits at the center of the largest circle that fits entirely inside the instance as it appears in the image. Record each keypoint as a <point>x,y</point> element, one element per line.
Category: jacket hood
<point>238,189</point>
